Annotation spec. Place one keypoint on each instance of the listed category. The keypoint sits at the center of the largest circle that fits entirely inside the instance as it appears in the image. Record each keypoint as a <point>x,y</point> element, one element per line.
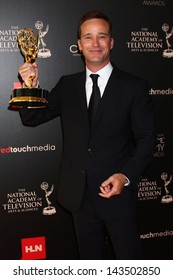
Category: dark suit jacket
<point>120,141</point>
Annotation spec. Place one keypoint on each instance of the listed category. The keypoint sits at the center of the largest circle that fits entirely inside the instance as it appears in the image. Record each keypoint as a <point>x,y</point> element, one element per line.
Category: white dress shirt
<point>103,78</point>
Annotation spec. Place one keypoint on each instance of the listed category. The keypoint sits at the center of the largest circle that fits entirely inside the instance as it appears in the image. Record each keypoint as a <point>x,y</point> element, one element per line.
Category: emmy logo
<point>49,210</point>
<point>43,52</point>
<point>167,198</point>
<point>168,53</point>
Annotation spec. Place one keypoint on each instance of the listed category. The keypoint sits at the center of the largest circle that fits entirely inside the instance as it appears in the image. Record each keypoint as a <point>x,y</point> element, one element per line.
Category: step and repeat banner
<point>33,225</point>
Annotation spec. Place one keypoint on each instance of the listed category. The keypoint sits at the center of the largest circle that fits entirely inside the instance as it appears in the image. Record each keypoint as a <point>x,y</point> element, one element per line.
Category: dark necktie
<point>95,98</point>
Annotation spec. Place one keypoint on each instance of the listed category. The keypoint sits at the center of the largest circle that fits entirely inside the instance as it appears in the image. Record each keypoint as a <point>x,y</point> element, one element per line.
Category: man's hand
<point>113,185</point>
<point>29,74</point>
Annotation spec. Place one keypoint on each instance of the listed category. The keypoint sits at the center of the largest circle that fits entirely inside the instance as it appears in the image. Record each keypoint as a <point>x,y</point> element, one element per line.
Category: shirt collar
<point>104,73</point>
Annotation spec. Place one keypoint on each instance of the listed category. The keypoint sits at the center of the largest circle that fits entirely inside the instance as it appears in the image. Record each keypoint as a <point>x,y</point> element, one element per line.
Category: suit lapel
<point>110,90</point>
<point>81,99</point>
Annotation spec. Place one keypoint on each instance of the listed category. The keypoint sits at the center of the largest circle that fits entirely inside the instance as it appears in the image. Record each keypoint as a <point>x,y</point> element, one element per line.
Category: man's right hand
<point>28,73</point>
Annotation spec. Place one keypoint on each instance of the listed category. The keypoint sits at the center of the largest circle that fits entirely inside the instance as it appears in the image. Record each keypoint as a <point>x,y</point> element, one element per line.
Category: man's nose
<point>95,41</point>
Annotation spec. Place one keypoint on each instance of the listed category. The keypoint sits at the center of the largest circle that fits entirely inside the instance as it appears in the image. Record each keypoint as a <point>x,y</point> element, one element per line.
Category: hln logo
<point>33,248</point>
<point>36,248</point>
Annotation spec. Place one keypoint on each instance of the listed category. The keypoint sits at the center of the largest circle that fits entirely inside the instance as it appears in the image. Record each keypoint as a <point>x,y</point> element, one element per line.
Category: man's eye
<point>102,37</point>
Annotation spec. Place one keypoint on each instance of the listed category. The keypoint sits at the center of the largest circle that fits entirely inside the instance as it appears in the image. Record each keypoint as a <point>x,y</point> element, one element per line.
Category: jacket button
<point>90,151</point>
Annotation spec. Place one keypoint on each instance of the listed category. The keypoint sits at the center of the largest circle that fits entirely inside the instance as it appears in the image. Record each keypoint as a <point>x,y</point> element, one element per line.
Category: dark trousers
<point>92,232</point>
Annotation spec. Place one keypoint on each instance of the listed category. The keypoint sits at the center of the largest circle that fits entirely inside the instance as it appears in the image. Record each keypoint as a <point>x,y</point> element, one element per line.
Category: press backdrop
<point>29,157</point>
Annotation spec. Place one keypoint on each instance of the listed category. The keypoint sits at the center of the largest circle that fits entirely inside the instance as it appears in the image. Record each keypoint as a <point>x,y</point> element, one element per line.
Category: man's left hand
<point>113,185</point>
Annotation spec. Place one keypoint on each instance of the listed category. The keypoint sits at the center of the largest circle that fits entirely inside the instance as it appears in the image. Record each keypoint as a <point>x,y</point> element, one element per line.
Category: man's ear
<point>79,45</point>
<point>112,43</point>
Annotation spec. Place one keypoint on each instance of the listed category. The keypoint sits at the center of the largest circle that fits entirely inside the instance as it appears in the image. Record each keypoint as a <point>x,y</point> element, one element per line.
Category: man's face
<point>95,42</point>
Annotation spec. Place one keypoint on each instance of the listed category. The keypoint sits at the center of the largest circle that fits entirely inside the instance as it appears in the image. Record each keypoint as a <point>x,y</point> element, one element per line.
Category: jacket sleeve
<point>34,117</point>
<point>143,129</point>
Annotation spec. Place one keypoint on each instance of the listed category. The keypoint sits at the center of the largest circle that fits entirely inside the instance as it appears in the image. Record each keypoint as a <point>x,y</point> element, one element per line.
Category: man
<point>102,160</point>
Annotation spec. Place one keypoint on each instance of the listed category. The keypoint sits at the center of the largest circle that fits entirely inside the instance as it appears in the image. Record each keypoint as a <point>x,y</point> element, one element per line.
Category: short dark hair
<point>92,15</point>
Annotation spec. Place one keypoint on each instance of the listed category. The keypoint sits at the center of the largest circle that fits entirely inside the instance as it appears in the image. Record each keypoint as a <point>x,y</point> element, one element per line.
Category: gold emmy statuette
<point>28,97</point>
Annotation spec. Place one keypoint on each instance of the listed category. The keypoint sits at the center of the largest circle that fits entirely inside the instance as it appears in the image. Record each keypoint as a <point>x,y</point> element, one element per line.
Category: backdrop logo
<point>154,3</point>
<point>167,197</point>
<point>168,52</point>
<point>160,146</point>
<point>49,209</point>
<point>151,189</point>
<point>27,149</point>
<point>22,201</point>
<point>8,39</point>
<point>144,40</point>
<point>168,91</point>
<point>149,235</point>
<point>33,248</point>
<point>43,52</point>
<point>74,50</point>
<point>148,190</point>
